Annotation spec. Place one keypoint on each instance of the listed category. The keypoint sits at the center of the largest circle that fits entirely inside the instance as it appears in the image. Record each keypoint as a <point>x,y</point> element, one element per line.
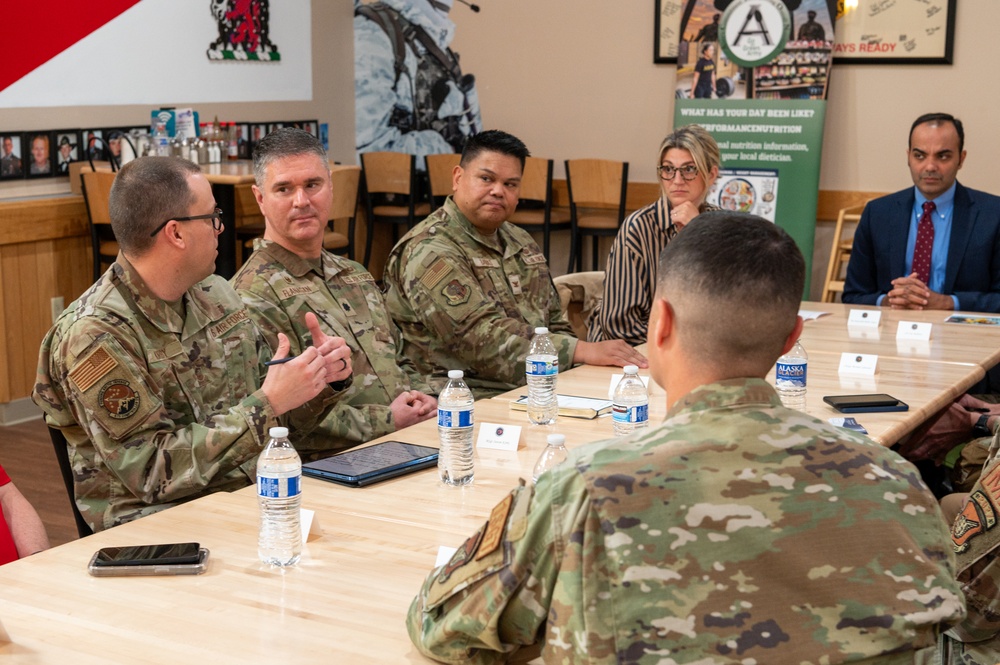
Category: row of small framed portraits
<point>48,153</point>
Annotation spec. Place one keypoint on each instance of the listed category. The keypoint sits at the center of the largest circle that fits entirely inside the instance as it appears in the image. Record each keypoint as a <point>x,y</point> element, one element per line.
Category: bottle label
<point>791,374</point>
<point>455,418</point>
<point>634,414</point>
<point>278,488</point>
<point>542,367</point>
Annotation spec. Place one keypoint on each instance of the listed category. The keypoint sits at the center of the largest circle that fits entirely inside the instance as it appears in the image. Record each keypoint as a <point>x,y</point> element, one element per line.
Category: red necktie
<point>925,243</point>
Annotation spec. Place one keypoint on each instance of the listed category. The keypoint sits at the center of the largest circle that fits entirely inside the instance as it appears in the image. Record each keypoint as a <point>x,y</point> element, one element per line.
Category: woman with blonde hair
<point>688,167</point>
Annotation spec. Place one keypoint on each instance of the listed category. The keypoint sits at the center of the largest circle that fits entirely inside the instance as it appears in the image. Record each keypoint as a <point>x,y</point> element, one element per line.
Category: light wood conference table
<point>347,600</point>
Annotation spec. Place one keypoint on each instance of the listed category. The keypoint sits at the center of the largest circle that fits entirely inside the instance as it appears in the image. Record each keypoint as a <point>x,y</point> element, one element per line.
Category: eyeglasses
<point>689,172</point>
<point>216,218</point>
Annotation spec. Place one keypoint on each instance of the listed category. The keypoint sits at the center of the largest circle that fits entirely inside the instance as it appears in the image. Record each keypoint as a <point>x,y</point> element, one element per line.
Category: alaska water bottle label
<point>278,488</point>
<point>542,367</point>
<point>634,414</point>
<point>454,417</point>
<point>791,373</point>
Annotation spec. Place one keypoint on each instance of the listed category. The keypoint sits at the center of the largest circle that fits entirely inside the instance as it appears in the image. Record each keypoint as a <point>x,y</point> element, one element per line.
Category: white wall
<point>577,79</point>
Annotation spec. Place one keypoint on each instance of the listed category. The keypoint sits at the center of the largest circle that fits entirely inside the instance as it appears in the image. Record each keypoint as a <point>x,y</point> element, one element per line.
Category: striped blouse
<point>630,276</point>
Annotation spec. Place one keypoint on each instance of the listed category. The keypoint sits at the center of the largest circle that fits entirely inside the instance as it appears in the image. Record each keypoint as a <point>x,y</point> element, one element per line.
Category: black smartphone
<point>148,555</point>
<point>865,403</point>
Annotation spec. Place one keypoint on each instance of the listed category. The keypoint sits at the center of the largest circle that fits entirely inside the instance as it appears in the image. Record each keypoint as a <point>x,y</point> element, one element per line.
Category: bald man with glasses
<point>156,375</point>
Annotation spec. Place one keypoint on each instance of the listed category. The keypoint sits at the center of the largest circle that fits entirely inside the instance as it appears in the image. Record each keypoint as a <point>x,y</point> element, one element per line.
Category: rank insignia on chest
<point>456,292</point>
<point>515,284</point>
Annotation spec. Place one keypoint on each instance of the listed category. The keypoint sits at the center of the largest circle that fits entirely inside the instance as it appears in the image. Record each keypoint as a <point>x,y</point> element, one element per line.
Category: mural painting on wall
<point>410,93</point>
<point>243,31</point>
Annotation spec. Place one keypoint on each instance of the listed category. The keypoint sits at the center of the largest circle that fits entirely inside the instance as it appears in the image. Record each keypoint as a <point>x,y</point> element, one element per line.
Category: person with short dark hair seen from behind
<point>737,531</point>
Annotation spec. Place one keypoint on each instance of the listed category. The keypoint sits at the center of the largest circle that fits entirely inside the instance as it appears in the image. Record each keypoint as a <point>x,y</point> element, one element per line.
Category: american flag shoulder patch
<point>90,370</point>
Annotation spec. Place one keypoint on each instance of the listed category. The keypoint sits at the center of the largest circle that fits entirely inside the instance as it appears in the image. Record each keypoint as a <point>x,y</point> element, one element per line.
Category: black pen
<point>280,361</point>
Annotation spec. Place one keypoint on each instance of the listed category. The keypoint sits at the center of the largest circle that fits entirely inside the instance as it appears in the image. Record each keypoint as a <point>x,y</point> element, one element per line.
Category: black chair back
<point>62,455</point>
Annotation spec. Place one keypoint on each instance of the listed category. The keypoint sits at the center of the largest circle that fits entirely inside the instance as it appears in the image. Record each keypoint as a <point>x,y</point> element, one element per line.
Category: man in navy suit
<point>964,246</point>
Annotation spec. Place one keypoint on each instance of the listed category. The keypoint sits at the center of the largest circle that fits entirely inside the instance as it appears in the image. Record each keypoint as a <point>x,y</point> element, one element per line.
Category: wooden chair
<point>96,190</point>
<point>391,193</point>
<point>534,209</point>
<point>346,181</point>
<point>439,176</point>
<point>840,253</point>
<point>61,447</point>
<point>597,189</point>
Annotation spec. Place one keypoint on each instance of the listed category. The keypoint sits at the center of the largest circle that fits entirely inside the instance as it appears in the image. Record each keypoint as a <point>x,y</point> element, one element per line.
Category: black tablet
<point>372,464</point>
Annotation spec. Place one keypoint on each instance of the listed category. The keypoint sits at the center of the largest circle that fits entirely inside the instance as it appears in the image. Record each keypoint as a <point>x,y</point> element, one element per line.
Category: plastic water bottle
<point>455,420</point>
<point>630,406</point>
<point>790,377</point>
<point>554,454</point>
<point>279,485</point>
<point>541,369</point>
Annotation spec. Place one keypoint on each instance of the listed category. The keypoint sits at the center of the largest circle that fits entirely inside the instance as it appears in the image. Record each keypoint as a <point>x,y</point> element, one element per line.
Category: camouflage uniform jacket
<point>464,300</point>
<point>976,538</point>
<point>738,531</point>
<point>156,410</point>
<point>279,287</point>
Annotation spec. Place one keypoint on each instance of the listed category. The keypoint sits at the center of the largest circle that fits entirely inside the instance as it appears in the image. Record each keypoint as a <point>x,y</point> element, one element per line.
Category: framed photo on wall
<point>91,144</point>
<point>886,32</point>
<point>39,154</point>
<point>666,36</point>
<point>896,33</point>
<point>11,156</point>
<point>66,144</point>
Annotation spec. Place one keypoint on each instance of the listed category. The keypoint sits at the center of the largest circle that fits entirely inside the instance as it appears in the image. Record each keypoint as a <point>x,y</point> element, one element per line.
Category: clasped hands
<point>911,293</point>
<point>292,384</point>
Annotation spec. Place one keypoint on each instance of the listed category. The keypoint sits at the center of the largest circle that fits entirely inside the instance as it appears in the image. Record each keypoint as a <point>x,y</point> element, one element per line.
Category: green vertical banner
<point>756,78</point>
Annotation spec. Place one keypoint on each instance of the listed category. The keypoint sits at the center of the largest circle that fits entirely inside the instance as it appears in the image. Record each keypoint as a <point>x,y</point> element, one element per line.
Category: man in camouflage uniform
<point>154,374</point>
<point>290,274</point>
<point>468,289</point>
<point>976,540</point>
<point>738,531</point>
<point>409,91</point>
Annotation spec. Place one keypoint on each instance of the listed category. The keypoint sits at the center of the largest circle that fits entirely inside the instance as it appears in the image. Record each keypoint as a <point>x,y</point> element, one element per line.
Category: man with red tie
<point>935,246</point>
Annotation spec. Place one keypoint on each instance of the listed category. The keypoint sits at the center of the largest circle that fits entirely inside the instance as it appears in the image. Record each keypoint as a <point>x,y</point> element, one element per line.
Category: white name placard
<point>864,317</point>
<point>858,364</point>
<point>498,436</point>
<point>914,330</point>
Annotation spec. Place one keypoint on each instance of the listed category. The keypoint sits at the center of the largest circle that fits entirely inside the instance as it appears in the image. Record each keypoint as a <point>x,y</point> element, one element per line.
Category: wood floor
<point>27,456</point>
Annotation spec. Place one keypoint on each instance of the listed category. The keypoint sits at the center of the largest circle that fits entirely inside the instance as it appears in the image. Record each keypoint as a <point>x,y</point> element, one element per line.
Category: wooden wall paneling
<point>5,394</point>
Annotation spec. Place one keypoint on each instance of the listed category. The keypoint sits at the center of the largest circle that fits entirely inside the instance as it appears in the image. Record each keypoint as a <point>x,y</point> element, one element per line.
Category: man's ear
<point>661,323</point>
<point>793,336</point>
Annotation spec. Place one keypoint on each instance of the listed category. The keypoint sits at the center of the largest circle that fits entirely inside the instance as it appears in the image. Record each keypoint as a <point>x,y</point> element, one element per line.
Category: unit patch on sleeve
<point>456,293</point>
<point>118,399</point>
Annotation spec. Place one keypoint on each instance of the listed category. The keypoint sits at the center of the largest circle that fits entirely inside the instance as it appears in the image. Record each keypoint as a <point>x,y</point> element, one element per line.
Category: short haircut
<point>696,140</point>
<point>734,282</point>
<point>494,140</point>
<point>281,143</point>
<point>147,192</point>
<point>937,119</point>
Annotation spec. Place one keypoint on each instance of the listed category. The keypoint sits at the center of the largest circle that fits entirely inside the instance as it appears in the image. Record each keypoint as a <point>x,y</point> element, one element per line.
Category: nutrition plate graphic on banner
<point>746,190</point>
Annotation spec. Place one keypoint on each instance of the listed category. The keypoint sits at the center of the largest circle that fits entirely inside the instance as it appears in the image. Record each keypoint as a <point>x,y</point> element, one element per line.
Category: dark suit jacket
<point>972,273</point>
